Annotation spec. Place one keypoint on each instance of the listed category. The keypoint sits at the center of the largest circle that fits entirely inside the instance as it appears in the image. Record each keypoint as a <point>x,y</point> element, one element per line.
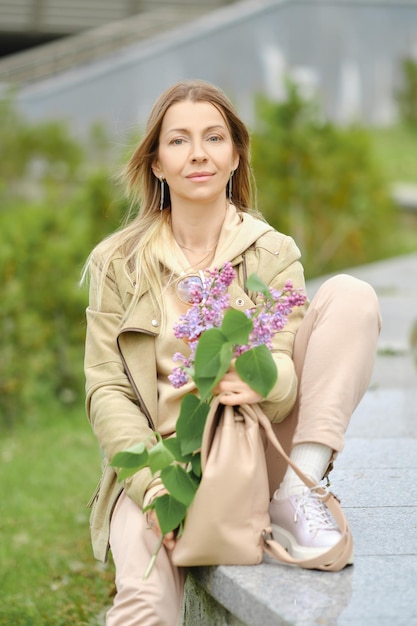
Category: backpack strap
<point>337,557</point>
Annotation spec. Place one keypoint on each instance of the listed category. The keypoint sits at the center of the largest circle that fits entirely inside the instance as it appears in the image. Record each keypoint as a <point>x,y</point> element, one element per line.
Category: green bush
<point>54,209</point>
<point>407,95</point>
<point>321,184</point>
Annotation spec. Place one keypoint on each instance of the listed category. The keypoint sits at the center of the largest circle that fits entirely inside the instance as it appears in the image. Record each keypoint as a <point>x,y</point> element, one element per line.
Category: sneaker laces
<point>315,512</point>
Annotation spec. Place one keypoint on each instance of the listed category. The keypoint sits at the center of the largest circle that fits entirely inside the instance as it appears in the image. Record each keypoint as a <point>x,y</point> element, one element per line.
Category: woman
<point>191,177</point>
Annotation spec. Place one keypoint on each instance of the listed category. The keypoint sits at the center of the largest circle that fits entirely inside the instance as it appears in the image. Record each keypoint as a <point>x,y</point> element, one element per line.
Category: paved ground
<point>376,476</point>
<point>376,479</point>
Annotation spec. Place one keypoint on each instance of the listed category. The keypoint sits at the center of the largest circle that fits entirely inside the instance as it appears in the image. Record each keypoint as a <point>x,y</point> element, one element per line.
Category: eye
<point>215,138</point>
<point>178,141</point>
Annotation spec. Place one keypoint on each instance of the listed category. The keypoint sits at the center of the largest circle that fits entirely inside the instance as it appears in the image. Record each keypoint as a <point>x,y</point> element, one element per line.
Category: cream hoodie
<point>239,232</point>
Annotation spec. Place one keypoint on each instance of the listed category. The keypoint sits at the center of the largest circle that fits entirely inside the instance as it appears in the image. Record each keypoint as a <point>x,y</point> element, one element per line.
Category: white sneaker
<point>303,525</point>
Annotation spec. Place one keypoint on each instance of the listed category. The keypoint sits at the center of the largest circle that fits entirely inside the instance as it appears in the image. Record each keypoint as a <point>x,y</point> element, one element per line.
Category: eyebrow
<point>187,130</point>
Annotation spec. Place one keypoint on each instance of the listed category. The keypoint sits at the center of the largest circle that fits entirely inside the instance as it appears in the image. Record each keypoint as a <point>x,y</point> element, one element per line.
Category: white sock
<point>312,459</point>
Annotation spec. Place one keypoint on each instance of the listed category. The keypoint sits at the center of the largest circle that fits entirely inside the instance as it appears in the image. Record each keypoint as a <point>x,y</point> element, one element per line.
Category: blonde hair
<point>141,239</point>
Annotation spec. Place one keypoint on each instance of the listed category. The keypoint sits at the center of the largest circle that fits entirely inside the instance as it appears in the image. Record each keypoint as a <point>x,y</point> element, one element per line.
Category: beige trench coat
<point>120,364</point>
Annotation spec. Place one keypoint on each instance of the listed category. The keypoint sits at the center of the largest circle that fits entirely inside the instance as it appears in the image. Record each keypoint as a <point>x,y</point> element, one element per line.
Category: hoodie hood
<point>239,232</point>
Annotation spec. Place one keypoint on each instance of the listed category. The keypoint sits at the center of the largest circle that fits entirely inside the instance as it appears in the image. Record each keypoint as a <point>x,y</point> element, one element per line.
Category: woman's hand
<point>235,391</point>
<point>153,523</point>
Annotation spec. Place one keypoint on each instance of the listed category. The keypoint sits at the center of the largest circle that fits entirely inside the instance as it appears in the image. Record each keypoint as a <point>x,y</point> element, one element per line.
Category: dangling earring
<point>161,204</point>
<point>230,186</point>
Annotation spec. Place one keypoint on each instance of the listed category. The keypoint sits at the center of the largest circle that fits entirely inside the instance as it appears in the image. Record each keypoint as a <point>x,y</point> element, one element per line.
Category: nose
<point>198,154</point>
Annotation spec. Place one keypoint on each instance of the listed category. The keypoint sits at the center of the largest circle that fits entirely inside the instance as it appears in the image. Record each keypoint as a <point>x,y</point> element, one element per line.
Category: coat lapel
<point>136,342</point>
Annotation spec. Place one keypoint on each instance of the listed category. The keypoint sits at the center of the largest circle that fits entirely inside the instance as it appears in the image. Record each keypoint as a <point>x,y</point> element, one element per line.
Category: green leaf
<point>190,423</point>
<point>204,385</point>
<point>254,283</point>
<point>126,472</point>
<point>131,460</point>
<point>207,354</point>
<point>131,457</point>
<point>174,446</point>
<point>236,327</point>
<point>160,457</point>
<point>225,359</point>
<point>212,360</point>
<point>257,368</point>
<point>196,465</point>
<point>170,512</point>
<point>179,484</point>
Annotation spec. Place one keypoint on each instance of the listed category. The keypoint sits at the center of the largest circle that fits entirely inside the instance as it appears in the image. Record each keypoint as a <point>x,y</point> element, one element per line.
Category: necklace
<point>196,251</point>
<point>203,256</point>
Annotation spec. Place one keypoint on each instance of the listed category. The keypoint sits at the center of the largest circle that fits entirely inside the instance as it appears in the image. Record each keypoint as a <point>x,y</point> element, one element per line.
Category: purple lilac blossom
<point>210,302</point>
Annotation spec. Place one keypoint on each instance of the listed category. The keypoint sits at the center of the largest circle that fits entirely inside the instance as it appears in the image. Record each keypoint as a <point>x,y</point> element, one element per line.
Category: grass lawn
<point>395,150</point>
<point>48,576</point>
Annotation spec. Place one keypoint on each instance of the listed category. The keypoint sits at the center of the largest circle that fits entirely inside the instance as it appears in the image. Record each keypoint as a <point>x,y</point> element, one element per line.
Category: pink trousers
<point>334,354</point>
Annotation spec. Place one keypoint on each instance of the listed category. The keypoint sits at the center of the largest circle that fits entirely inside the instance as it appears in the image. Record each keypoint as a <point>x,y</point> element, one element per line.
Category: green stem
<point>153,559</point>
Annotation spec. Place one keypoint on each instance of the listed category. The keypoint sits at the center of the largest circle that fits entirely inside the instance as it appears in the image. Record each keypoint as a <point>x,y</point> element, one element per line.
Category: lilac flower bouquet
<point>216,337</point>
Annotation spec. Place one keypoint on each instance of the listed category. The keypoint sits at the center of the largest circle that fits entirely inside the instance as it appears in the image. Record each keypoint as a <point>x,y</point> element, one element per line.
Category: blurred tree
<point>407,95</point>
<point>320,184</point>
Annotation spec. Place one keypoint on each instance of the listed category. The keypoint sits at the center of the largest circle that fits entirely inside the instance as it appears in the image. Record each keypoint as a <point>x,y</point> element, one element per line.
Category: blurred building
<point>348,53</point>
<point>27,23</point>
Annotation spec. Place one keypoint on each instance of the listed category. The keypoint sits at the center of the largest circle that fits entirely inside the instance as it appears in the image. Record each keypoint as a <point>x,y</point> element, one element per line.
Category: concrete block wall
<point>72,16</point>
<point>92,44</point>
<point>60,16</point>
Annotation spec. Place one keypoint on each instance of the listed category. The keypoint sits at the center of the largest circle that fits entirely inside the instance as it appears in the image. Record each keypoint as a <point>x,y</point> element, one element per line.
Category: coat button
<point>155,323</point>
<point>240,302</point>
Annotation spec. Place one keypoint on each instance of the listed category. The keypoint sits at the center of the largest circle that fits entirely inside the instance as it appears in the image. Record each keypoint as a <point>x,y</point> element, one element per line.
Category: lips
<point>199,176</point>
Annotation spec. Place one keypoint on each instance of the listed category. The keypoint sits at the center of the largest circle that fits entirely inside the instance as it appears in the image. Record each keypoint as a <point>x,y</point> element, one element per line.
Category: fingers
<point>169,541</point>
<point>231,399</point>
<point>236,398</point>
<point>238,392</point>
<point>235,391</point>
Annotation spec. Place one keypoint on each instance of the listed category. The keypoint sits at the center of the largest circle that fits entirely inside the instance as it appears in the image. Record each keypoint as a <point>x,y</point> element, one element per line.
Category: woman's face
<point>196,154</point>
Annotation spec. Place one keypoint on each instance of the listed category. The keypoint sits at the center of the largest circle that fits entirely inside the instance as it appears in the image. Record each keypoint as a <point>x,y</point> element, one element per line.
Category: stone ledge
<point>268,594</point>
<point>382,516</point>
<point>200,607</point>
